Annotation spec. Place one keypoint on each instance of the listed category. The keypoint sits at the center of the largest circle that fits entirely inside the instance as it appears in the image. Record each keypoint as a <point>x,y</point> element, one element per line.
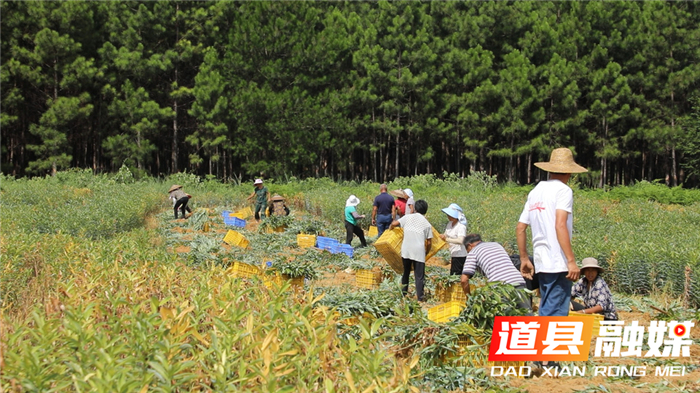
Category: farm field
<point>103,291</point>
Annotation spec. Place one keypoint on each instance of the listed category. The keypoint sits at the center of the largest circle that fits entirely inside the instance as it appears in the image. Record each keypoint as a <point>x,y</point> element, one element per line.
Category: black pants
<point>419,269</point>
<point>182,205</point>
<point>457,266</point>
<point>351,229</point>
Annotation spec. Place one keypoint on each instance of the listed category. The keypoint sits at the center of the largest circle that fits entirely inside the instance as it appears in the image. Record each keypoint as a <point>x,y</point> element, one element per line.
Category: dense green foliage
<point>351,90</point>
<point>104,307</point>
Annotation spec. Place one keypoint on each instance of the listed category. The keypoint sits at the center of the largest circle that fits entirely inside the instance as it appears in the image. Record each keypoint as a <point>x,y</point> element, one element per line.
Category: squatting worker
<point>454,235</point>
<point>417,241</point>
<point>594,291</point>
<point>492,260</point>
<point>260,194</point>
<point>383,210</point>
<point>179,199</point>
<point>277,206</point>
<point>548,211</point>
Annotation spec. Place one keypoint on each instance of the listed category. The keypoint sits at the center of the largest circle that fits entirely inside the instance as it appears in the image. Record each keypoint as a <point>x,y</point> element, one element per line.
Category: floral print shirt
<point>598,295</point>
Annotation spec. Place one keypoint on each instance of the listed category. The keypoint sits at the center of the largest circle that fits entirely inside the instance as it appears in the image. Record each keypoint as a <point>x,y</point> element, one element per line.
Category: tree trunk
<point>174,155</point>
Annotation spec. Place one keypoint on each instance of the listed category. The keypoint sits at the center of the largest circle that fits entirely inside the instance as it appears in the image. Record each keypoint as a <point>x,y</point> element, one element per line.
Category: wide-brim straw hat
<point>561,161</point>
<point>399,194</point>
<point>591,263</point>
<point>174,187</point>
<point>277,197</point>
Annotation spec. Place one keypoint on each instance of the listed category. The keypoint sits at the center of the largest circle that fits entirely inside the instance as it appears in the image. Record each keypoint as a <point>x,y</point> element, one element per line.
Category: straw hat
<point>277,197</point>
<point>592,263</point>
<point>174,187</point>
<point>399,194</point>
<point>561,161</point>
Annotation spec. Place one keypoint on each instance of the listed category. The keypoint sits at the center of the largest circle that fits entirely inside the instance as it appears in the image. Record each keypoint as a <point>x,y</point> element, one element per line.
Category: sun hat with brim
<point>561,161</point>
<point>257,181</point>
<point>451,212</point>
<point>591,263</point>
<point>352,201</point>
<point>408,192</point>
<point>399,194</point>
<point>277,197</point>
<point>174,187</point>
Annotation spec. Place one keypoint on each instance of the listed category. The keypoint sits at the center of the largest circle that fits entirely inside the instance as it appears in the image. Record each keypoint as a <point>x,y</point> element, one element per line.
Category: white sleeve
<point>565,199</point>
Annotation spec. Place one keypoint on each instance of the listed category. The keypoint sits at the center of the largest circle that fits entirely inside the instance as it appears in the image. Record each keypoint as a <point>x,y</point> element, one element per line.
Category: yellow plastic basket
<point>373,231</point>
<point>306,240</point>
<point>368,279</point>
<point>272,280</point>
<point>444,312</point>
<point>275,230</point>
<point>243,213</point>
<point>389,245</point>
<point>452,293</point>
<point>596,320</point>
<point>436,245</point>
<point>236,239</point>
<point>295,281</point>
<point>243,270</point>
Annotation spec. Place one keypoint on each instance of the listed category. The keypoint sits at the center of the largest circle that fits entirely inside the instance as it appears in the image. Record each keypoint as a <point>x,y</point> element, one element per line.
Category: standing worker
<point>417,241</point>
<point>400,203</point>
<point>260,194</point>
<point>548,211</point>
<point>351,217</point>
<point>383,210</point>
<point>410,207</point>
<point>180,199</point>
<point>455,232</point>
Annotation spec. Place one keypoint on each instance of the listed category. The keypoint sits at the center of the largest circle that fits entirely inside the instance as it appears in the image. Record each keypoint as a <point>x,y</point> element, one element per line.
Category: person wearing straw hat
<point>179,199</point>
<point>351,217</point>
<point>400,203</point>
<point>454,235</point>
<point>548,211</point>
<point>594,291</point>
<point>260,194</point>
<point>277,206</point>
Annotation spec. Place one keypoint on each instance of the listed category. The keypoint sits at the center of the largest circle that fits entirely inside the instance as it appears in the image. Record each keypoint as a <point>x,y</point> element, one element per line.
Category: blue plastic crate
<point>234,221</point>
<point>326,243</point>
<point>344,249</point>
